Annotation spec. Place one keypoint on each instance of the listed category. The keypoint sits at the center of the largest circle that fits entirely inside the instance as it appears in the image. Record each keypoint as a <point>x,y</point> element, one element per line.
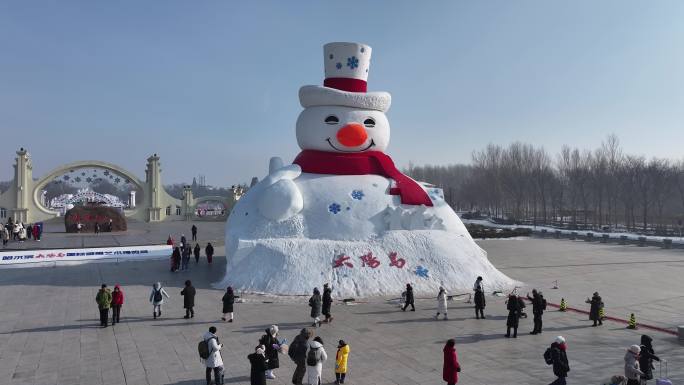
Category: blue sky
<point>212,86</point>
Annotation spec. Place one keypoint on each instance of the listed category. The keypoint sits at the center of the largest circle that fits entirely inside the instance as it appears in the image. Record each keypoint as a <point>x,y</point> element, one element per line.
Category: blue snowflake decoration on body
<point>338,65</point>
<point>65,177</point>
<point>117,180</point>
<point>352,62</point>
<point>334,208</point>
<point>78,179</point>
<point>357,194</point>
<point>89,179</point>
<point>422,272</point>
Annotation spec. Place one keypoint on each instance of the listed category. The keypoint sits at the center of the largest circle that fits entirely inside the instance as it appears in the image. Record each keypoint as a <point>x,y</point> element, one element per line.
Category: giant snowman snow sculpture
<point>341,212</point>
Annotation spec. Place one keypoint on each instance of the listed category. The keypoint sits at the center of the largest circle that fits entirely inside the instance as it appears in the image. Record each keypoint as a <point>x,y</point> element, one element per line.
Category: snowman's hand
<point>278,172</point>
<point>281,200</point>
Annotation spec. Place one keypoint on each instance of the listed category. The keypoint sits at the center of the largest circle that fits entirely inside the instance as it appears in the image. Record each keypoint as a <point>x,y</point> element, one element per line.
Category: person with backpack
<point>596,304</point>
<point>314,361</point>
<point>104,301</point>
<point>441,303</point>
<point>196,251</point>
<point>258,364</point>
<point>451,366</point>
<point>646,357</point>
<point>210,352</point>
<point>538,307</point>
<point>270,341</point>
<point>480,302</point>
<point>327,303</point>
<point>513,306</point>
<point>157,298</point>
<point>228,301</point>
<point>632,369</point>
<point>556,355</point>
<point>297,353</point>
<point>209,251</point>
<point>117,302</point>
<point>409,298</point>
<point>315,304</point>
<point>341,359</point>
<point>188,294</point>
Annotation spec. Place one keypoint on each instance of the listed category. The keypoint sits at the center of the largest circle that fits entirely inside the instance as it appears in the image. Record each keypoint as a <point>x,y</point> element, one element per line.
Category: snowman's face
<point>342,129</point>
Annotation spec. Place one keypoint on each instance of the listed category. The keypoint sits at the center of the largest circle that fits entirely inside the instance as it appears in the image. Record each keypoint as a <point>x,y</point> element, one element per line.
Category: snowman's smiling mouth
<point>372,143</point>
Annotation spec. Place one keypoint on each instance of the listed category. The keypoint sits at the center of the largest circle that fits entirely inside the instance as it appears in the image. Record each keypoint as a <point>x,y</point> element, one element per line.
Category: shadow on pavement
<point>474,338</point>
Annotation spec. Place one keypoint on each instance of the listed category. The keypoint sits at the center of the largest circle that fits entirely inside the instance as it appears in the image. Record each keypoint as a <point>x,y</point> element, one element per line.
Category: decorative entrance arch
<point>23,199</point>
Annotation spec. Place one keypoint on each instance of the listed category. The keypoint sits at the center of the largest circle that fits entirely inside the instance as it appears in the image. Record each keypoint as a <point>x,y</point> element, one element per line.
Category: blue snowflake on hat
<point>352,62</point>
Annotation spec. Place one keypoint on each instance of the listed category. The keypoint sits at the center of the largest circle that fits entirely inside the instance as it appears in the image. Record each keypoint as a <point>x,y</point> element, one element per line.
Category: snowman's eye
<point>369,122</point>
<point>332,119</point>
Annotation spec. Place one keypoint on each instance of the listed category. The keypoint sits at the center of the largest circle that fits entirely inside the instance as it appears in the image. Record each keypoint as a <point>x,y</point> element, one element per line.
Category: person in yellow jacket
<point>341,362</point>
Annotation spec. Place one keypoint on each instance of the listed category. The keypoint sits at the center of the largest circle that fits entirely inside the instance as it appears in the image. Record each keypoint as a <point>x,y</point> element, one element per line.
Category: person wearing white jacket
<point>157,298</point>
<point>632,370</point>
<point>316,356</point>
<point>441,303</point>
<point>214,362</point>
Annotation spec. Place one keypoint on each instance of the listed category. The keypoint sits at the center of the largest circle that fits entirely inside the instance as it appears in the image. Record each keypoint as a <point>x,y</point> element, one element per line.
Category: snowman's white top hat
<point>346,74</point>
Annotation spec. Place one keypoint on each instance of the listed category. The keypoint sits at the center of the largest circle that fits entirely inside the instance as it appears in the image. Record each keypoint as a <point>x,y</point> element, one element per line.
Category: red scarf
<point>363,163</point>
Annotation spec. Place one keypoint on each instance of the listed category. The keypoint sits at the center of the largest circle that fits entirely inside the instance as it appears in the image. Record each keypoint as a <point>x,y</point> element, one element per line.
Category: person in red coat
<point>451,365</point>
<point>117,302</point>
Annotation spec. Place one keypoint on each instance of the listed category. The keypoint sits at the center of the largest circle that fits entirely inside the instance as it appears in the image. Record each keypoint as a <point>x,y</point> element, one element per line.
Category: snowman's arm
<point>281,199</point>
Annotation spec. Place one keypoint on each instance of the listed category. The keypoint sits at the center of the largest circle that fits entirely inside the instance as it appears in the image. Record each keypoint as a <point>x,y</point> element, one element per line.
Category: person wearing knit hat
<point>341,362</point>
<point>258,366</point>
<point>632,370</point>
<point>556,355</point>
<point>272,344</point>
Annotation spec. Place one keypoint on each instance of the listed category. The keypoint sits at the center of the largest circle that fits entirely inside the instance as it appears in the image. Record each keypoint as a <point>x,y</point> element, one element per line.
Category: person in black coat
<point>646,357</point>
<point>188,294</point>
<point>327,303</point>
<point>209,251</point>
<point>559,360</point>
<point>480,302</point>
<point>196,251</point>
<point>513,307</point>
<point>596,304</point>
<point>272,345</point>
<point>538,307</point>
<point>259,365</point>
<point>194,232</point>
<point>175,259</point>
<point>409,298</point>
<point>228,301</point>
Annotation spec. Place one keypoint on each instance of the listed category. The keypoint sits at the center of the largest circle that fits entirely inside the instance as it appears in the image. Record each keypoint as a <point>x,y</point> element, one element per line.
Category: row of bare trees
<point>576,188</point>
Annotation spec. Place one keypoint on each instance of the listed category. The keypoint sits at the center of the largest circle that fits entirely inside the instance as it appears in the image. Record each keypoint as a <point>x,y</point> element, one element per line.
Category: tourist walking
<point>37,232</point>
<point>175,259</point>
<point>557,356</point>
<point>632,369</point>
<point>169,241</point>
<point>214,362</point>
<point>196,251</point>
<point>29,231</point>
<point>480,302</point>
<point>97,228</point>
<point>409,298</point>
<point>228,302</point>
<point>327,303</point>
<point>157,299</point>
<point>538,307</point>
<point>451,366</point>
<point>341,359</point>
<point>270,341</point>
<point>22,232</point>
<point>594,311</point>
<point>297,353</point>
<point>185,257</point>
<point>209,251</point>
<point>441,303</point>
<point>315,304</point>
<point>117,302</point>
<point>104,301</point>
<point>194,232</point>
<point>646,357</point>
<point>188,294</point>
<point>513,307</point>
<point>4,234</point>
<point>183,241</point>
<point>258,366</point>
<point>315,358</point>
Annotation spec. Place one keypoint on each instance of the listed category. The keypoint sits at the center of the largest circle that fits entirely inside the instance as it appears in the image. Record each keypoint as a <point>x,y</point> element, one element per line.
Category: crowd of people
<point>20,232</point>
<point>309,355</point>
<point>183,251</point>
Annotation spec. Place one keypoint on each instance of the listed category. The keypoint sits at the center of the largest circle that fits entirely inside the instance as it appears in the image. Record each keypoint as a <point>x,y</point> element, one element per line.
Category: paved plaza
<point>49,331</point>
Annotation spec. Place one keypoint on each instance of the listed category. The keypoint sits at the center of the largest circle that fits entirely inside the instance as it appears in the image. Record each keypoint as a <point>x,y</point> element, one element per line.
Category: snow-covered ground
<point>597,234</point>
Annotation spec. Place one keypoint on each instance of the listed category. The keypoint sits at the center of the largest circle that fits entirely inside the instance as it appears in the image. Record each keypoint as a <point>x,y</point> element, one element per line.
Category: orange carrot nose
<point>352,135</point>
